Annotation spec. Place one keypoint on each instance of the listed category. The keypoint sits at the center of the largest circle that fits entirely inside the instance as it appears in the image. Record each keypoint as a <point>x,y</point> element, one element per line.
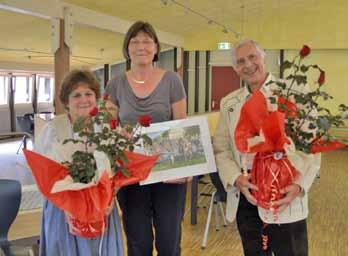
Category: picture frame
<point>184,148</point>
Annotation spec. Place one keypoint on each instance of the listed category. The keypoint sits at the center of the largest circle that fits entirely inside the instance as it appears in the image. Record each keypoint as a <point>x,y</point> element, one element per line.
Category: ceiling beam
<point>54,9</point>
<point>103,21</point>
<point>38,8</point>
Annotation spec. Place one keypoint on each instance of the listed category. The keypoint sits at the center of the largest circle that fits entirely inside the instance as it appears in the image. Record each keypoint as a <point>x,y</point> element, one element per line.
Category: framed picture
<point>184,148</point>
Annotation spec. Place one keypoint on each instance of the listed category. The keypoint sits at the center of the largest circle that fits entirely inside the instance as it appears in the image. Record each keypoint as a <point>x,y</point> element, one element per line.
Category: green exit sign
<point>224,46</point>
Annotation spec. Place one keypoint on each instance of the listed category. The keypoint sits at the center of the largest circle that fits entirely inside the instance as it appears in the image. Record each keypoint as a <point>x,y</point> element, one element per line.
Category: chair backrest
<point>10,199</point>
<point>26,123</point>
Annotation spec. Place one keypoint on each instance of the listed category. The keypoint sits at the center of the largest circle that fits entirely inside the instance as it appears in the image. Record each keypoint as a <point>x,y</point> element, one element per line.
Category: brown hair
<point>140,26</point>
<point>72,81</point>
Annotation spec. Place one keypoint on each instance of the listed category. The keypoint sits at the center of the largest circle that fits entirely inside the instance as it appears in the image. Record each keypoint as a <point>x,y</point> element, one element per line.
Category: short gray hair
<point>243,42</point>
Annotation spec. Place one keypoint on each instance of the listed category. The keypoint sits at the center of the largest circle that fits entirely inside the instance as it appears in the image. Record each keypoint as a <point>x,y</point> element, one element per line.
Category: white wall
<point>5,119</point>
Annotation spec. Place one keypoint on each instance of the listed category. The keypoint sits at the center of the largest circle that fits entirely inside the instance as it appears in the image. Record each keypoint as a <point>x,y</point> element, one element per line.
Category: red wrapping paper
<point>138,166</point>
<point>324,146</point>
<point>271,175</point>
<point>271,169</point>
<point>86,208</point>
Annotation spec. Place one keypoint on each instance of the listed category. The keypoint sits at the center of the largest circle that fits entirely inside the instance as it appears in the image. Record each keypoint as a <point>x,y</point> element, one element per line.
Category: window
<point>3,90</point>
<point>45,89</point>
<point>99,74</point>
<point>166,60</point>
<point>117,69</point>
<point>23,88</point>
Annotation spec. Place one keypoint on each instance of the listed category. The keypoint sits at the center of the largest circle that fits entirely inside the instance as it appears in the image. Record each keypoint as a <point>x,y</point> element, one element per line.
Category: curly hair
<point>72,81</point>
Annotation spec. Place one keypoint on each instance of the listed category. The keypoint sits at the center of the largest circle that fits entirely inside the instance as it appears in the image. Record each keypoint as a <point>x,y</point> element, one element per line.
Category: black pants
<point>283,239</point>
<point>159,206</point>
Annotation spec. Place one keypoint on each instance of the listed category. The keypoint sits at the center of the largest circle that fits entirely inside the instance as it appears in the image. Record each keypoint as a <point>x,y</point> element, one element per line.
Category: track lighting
<point>210,21</point>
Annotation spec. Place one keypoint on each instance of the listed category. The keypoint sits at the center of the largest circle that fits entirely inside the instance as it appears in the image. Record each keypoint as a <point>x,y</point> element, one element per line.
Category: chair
<point>218,196</point>
<point>10,195</point>
<point>10,199</point>
<point>26,125</point>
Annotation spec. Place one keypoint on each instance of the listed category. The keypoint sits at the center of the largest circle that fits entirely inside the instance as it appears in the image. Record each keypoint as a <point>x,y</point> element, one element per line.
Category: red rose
<point>113,124</point>
<point>321,79</point>
<point>305,51</point>
<point>145,120</point>
<point>94,111</point>
<point>105,97</point>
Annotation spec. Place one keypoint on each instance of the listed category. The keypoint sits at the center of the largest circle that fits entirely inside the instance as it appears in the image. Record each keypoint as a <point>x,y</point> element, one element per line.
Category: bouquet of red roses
<point>284,119</point>
<point>101,159</point>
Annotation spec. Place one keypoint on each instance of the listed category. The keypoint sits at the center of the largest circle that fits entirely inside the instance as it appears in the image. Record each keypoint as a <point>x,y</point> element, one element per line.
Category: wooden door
<point>224,80</point>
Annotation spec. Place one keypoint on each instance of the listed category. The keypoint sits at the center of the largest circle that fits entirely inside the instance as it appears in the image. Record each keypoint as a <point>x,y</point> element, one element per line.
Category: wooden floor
<point>327,223</point>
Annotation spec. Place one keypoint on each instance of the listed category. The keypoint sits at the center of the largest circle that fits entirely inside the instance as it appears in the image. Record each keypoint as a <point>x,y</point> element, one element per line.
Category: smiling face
<point>250,65</point>
<point>142,49</point>
<point>81,101</point>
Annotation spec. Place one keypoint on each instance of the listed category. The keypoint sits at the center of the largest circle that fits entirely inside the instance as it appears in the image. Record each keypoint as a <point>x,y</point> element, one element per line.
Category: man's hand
<point>178,181</point>
<point>243,184</point>
<point>291,192</point>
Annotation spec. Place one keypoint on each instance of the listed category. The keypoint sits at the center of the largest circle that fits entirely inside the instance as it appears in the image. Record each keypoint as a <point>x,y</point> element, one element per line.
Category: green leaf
<point>323,123</point>
<point>300,79</point>
<point>281,85</point>
<point>286,65</point>
<point>272,100</point>
<point>79,124</point>
<point>312,126</point>
<point>304,68</point>
<point>147,140</point>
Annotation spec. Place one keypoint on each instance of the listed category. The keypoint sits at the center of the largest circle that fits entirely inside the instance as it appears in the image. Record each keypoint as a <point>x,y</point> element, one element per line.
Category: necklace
<point>138,81</point>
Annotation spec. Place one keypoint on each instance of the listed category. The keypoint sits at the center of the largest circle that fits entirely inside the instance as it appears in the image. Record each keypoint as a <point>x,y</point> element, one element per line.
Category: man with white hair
<point>260,232</point>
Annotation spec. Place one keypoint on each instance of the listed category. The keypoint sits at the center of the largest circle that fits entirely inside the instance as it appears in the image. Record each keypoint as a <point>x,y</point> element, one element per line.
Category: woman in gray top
<point>148,90</point>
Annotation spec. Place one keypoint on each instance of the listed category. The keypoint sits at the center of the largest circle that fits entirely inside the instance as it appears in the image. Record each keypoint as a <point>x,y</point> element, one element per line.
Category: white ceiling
<point>26,39</point>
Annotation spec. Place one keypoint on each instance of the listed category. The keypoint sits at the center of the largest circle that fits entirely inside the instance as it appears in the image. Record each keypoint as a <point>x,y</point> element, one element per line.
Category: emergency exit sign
<point>224,46</point>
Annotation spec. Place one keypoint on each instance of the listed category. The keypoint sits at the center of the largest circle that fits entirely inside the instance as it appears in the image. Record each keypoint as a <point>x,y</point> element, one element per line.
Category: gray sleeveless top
<point>158,104</point>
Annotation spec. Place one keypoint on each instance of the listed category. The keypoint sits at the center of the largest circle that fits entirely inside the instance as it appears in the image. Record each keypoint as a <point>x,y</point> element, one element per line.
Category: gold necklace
<point>138,81</point>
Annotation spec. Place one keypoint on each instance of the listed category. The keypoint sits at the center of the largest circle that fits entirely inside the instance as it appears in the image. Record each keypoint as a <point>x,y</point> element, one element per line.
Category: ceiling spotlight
<point>209,20</point>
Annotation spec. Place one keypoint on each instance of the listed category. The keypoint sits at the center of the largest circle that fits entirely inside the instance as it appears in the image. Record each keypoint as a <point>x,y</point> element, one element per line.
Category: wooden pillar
<point>106,74</point>
<point>207,82</point>
<point>183,72</point>
<point>179,62</point>
<point>35,93</point>
<point>61,67</point>
<point>196,81</point>
<point>11,103</point>
<point>281,61</point>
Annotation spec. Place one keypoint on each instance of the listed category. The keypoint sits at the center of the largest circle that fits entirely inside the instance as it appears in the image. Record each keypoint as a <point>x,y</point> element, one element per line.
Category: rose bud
<point>105,97</point>
<point>94,111</point>
<point>321,79</point>
<point>305,51</point>
<point>145,120</point>
<point>113,124</point>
